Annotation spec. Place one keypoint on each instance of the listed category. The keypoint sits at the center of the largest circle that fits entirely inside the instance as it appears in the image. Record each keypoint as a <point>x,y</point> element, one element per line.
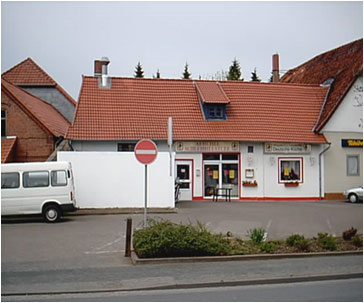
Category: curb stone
<point>137,261</point>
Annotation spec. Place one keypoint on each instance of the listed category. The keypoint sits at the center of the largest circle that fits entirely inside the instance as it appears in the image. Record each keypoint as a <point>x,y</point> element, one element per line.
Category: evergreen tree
<point>255,77</point>
<point>234,71</point>
<point>186,74</point>
<point>158,75</point>
<point>139,73</point>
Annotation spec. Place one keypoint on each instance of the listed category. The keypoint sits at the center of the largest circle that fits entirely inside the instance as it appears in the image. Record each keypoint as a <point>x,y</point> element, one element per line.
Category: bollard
<point>128,238</point>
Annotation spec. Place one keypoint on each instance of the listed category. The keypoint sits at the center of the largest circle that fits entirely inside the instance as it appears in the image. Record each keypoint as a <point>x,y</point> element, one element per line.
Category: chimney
<point>100,71</point>
<point>275,71</point>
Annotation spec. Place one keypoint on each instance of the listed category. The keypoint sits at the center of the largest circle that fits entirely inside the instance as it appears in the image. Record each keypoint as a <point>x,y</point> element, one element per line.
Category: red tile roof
<point>28,73</point>
<point>211,92</point>
<point>139,108</point>
<point>40,110</point>
<point>7,145</point>
<point>344,64</point>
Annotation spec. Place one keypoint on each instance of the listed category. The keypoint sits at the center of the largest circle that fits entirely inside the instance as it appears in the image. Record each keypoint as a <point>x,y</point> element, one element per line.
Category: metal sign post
<point>145,152</point>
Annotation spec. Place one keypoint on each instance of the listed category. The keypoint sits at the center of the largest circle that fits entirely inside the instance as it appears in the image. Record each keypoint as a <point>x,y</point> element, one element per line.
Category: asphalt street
<point>350,290</point>
<point>87,252</point>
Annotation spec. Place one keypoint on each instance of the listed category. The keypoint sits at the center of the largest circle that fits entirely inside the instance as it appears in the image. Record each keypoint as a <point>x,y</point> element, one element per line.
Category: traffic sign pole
<point>145,194</point>
<point>145,152</point>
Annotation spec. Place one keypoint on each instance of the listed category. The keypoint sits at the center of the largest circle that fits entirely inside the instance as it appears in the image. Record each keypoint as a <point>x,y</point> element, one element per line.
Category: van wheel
<point>353,198</point>
<point>52,213</point>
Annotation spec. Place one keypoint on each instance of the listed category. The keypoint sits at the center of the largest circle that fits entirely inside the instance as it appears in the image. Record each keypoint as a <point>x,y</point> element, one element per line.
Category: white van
<point>45,188</point>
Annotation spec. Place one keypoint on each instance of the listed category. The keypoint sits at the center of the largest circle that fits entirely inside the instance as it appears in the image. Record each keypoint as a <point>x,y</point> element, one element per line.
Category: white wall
<point>348,117</point>
<point>115,179</point>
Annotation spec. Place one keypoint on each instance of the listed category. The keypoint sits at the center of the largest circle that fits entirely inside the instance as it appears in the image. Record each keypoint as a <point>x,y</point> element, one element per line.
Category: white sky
<point>65,38</point>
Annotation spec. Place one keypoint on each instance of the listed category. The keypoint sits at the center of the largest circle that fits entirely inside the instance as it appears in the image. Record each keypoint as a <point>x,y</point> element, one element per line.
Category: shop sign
<point>207,146</point>
<point>351,142</point>
<point>287,148</point>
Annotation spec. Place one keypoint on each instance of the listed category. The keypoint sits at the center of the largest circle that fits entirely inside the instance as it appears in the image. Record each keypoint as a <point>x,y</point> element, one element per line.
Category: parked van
<point>45,188</point>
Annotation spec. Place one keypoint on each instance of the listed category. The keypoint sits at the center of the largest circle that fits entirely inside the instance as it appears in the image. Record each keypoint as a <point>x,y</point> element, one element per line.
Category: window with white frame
<point>352,165</point>
<point>290,170</point>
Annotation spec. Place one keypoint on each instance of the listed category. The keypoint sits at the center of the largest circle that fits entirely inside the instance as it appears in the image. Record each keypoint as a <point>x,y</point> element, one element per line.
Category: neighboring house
<point>35,114</point>
<point>254,138</point>
<point>341,116</point>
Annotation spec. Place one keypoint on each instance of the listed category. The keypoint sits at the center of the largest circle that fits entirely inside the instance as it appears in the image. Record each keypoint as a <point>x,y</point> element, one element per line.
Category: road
<point>350,290</point>
<point>87,252</point>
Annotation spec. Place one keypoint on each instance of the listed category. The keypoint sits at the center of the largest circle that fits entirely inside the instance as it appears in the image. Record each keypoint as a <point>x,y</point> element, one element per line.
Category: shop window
<point>230,157</point>
<point>3,123</point>
<point>211,156</point>
<point>290,169</point>
<point>352,165</point>
<point>124,147</point>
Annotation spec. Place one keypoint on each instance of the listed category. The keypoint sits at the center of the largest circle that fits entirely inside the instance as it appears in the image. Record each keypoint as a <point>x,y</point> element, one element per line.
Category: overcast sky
<point>65,38</point>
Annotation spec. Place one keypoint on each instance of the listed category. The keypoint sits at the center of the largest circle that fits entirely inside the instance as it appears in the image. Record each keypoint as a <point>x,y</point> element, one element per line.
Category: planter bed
<point>136,260</point>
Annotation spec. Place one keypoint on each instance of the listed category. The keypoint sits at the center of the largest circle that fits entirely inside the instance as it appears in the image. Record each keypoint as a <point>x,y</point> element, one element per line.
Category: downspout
<point>320,173</point>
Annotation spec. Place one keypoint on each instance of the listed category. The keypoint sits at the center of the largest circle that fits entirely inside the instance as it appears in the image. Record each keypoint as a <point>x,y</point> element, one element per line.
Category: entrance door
<point>212,177</point>
<point>184,174</point>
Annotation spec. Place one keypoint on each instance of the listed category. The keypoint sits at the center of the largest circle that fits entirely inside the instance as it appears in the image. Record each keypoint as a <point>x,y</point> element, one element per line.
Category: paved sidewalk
<point>179,275</point>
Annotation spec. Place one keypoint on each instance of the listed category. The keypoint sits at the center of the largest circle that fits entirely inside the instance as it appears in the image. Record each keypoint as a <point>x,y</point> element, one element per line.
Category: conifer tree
<point>234,71</point>
<point>158,74</point>
<point>186,74</point>
<point>254,76</point>
<point>139,73</point>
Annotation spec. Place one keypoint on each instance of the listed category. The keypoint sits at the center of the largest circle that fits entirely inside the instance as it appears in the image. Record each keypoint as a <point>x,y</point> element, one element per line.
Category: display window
<point>290,170</point>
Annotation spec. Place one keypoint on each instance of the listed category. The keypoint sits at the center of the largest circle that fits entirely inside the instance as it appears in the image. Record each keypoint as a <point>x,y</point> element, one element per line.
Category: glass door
<point>212,176</point>
<point>184,173</point>
<point>230,178</point>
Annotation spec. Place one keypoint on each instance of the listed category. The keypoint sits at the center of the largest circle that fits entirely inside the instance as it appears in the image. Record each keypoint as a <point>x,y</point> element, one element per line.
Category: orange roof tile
<point>139,108</point>
<point>7,145</point>
<point>28,73</point>
<point>344,64</point>
<point>211,92</point>
<point>43,112</point>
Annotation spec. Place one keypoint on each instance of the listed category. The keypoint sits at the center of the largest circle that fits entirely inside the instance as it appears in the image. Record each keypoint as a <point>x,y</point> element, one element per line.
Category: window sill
<point>291,184</point>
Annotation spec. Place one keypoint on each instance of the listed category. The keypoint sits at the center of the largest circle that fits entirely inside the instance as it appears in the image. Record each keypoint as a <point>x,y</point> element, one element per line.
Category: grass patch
<point>164,238</point>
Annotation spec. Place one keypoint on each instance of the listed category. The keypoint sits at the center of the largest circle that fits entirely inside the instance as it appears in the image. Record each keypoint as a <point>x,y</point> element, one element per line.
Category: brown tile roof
<point>40,110</point>
<point>7,145</point>
<point>344,64</point>
<point>211,92</point>
<point>28,73</point>
<point>139,108</point>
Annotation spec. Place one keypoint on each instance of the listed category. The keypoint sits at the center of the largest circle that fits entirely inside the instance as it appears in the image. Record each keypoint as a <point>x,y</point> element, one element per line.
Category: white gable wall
<point>345,123</point>
<point>348,117</point>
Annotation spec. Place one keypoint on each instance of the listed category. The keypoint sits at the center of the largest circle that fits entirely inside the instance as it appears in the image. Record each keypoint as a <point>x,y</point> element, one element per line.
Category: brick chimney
<point>275,71</point>
<point>100,71</point>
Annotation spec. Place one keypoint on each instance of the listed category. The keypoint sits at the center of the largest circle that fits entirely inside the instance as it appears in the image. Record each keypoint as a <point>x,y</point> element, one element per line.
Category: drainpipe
<point>320,174</point>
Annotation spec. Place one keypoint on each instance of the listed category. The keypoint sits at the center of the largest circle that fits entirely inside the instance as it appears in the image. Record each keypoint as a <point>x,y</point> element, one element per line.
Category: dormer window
<point>214,111</point>
<point>213,100</point>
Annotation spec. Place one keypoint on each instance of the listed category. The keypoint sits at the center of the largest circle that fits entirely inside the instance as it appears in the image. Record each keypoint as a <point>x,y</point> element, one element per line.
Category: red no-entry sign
<point>145,151</point>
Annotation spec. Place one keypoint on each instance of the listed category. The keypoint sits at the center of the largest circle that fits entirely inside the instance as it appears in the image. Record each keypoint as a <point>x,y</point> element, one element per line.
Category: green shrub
<point>292,239</point>
<point>299,242</point>
<point>166,239</point>
<point>327,241</point>
<point>357,241</point>
<point>256,235</point>
<point>268,247</point>
<point>348,234</point>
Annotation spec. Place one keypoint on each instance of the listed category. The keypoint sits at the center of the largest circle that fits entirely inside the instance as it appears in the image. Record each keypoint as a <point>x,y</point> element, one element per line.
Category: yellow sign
<point>232,174</point>
<point>215,175</point>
